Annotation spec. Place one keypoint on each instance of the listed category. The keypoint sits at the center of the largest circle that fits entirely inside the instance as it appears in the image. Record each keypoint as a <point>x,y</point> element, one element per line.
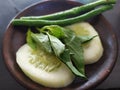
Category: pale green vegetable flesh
<point>43,67</point>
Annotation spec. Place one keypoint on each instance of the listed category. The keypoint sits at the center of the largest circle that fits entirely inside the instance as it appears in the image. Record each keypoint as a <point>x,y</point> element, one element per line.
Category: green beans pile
<point>91,9</point>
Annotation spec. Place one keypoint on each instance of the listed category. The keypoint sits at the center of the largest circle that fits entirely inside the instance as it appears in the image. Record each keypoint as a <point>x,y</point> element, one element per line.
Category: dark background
<point>9,8</point>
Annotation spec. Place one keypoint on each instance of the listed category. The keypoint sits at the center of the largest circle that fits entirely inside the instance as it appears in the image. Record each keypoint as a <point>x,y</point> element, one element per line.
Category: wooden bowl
<point>15,37</point>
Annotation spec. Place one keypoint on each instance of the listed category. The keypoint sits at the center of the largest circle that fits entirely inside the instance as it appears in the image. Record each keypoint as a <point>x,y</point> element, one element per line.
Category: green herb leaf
<point>73,43</point>
<point>57,46</point>
<point>76,49</point>
<point>30,40</point>
<point>65,57</point>
<point>54,30</point>
<point>85,39</point>
<point>43,41</point>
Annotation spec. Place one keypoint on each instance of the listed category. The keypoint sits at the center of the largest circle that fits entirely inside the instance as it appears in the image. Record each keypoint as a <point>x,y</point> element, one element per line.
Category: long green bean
<point>71,12</point>
<point>63,22</point>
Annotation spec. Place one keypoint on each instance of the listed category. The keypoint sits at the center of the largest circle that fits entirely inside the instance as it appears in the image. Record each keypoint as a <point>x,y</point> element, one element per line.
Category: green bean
<point>71,12</point>
<point>63,22</point>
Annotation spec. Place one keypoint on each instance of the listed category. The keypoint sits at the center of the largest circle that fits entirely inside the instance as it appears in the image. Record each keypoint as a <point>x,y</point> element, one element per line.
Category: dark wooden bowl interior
<point>15,37</point>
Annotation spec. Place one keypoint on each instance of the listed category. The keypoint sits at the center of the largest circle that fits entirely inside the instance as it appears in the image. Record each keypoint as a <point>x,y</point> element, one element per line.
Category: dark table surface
<point>9,8</point>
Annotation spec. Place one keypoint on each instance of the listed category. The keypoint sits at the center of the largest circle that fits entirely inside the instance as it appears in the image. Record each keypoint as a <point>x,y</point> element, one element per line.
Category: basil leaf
<point>85,39</point>
<point>57,46</point>
<point>43,41</point>
<point>65,57</point>
<point>30,40</point>
<point>73,43</point>
<point>54,30</point>
<point>76,49</point>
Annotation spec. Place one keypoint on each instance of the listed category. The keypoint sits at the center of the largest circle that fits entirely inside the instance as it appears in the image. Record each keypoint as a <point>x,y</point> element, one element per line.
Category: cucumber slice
<point>93,50</point>
<point>43,67</point>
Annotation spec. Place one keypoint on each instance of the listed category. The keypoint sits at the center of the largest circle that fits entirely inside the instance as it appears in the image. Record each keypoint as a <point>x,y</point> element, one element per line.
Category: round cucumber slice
<point>43,67</point>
